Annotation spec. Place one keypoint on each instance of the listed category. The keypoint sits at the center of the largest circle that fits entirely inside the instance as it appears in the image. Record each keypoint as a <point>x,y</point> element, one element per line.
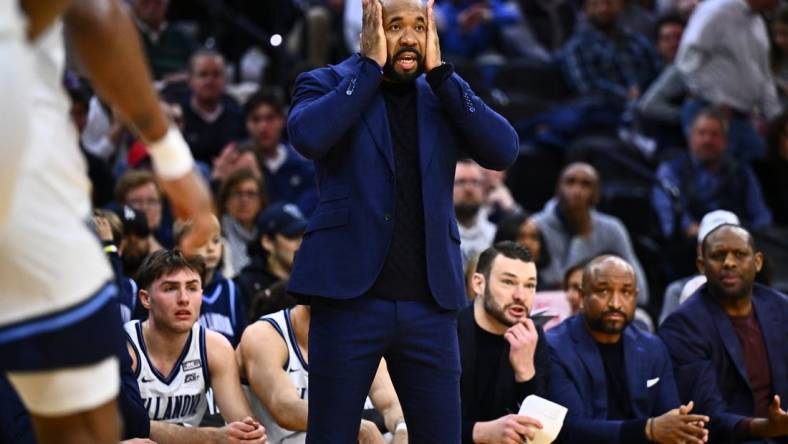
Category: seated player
<point>174,358</point>
<point>273,358</point>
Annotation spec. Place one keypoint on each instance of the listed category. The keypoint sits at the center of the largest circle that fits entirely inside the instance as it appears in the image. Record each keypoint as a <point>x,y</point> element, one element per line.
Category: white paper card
<point>550,414</point>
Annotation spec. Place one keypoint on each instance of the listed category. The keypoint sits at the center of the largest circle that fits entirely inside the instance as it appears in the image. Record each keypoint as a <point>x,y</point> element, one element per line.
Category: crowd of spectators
<point>636,120</point>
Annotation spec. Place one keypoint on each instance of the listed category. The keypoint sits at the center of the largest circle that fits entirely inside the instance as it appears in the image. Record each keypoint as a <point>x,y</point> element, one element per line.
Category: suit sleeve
<point>322,112</point>
<point>578,429</point>
<point>668,398</point>
<point>696,377</point>
<point>489,138</point>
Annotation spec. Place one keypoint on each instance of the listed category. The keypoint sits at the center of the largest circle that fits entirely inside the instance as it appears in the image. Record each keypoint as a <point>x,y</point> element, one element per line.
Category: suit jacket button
<point>387,217</point>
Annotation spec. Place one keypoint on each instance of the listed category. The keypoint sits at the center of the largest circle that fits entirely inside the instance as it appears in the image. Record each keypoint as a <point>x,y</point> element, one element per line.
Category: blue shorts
<point>83,334</point>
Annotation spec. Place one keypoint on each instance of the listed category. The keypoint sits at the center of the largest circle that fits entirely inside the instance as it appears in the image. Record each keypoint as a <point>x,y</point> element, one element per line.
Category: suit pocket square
<point>651,382</point>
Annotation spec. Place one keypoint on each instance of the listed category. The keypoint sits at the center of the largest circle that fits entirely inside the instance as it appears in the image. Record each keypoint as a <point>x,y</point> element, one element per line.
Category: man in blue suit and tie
<point>616,380</point>
<point>380,259</point>
<point>729,343</point>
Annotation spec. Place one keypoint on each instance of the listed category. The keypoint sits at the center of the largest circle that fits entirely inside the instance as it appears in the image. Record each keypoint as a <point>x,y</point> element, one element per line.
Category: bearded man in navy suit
<point>380,259</point>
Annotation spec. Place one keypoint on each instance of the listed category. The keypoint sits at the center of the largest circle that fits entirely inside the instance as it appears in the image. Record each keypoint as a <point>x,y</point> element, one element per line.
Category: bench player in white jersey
<point>174,358</point>
<point>273,357</point>
<point>56,323</point>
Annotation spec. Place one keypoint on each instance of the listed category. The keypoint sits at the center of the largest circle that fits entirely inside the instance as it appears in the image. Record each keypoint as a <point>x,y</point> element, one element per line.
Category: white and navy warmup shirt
<point>298,373</point>
<point>180,396</point>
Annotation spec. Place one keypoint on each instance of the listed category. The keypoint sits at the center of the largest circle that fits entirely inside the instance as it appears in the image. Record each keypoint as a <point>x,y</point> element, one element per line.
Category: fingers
<point>685,409</point>
<point>528,421</point>
<point>529,325</point>
<point>695,418</point>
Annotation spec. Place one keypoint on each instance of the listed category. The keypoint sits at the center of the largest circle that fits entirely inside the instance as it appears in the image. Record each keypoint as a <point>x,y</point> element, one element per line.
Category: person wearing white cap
<point>679,290</point>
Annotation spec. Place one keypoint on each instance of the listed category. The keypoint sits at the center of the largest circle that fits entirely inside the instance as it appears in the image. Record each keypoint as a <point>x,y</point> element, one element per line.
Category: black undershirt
<point>619,407</point>
<point>404,273</point>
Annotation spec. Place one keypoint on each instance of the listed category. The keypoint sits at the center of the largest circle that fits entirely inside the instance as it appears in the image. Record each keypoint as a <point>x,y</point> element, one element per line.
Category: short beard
<point>719,292</point>
<point>496,311</point>
<point>466,211</point>
<point>392,75</point>
<point>599,325</point>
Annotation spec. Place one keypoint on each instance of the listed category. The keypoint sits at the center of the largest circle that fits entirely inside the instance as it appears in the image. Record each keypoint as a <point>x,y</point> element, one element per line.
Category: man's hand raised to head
<point>432,53</point>
<point>373,37</point>
<point>522,338</point>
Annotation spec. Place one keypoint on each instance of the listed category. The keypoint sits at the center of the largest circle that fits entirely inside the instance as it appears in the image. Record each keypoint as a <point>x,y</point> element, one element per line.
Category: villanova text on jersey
<point>172,408</point>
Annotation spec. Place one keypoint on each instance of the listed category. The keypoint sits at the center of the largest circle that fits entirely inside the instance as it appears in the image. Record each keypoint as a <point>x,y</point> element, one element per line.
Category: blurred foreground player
<point>57,312</point>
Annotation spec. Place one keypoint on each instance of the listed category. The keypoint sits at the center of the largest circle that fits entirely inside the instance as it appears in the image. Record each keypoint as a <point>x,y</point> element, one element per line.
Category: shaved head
<point>609,297</point>
<point>602,264</point>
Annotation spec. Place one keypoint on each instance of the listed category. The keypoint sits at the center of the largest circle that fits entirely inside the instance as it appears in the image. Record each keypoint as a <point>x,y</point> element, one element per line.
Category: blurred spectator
<point>608,61</point>
<point>476,232</point>
<point>706,178</point>
<point>547,25</point>
<point>211,118</point>
<point>730,69</point>
<point>663,99</point>
<point>572,286</point>
<point>683,8</point>
<point>318,36</point>
<point>773,170</point>
<point>669,31</point>
<point>674,291</point>
<point>280,228</point>
<point>659,108</point>
<point>727,343</point>
<point>110,230</point>
<point>636,18</point>
<point>135,244</point>
<point>469,28</point>
<point>102,133</point>
<point>779,49</point>
<point>616,381</point>
<point>288,176</point>
<point>504,355</point>
<point>240,199</point>
<point>498,201</point>
<point>523,230</point>
<point>574,231</point>
<point>167,48</point>
<point>222,309</point>
<point>99,171</point>
<point>139,190</point>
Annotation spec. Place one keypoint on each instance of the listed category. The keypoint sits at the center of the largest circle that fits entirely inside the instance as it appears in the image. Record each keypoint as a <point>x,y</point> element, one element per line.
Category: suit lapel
<point>377,123</point>
<point>592,361</point>
<point>634,360</point>
<point>771,330</point>
<point>428,114</point>
<point>728,335</point>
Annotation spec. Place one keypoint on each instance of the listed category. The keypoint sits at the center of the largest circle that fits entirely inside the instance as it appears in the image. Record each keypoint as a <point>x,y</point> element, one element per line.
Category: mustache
<point>614,311</point>
<point>407,49</point>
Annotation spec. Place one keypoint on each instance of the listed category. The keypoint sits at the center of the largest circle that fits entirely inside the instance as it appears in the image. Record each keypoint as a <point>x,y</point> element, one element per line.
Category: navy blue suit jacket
<point>577,381</point>
<point>338,119</point>
<point>709,363</point>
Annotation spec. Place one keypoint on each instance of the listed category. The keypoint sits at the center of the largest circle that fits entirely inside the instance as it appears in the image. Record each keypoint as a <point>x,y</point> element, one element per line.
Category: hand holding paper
<point>550,414</point>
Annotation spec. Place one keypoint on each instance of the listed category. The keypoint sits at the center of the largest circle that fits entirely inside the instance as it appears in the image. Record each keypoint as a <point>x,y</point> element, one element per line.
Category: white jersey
<point>298,373</point>
<point>49,259</point>
<point>180,396</point>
